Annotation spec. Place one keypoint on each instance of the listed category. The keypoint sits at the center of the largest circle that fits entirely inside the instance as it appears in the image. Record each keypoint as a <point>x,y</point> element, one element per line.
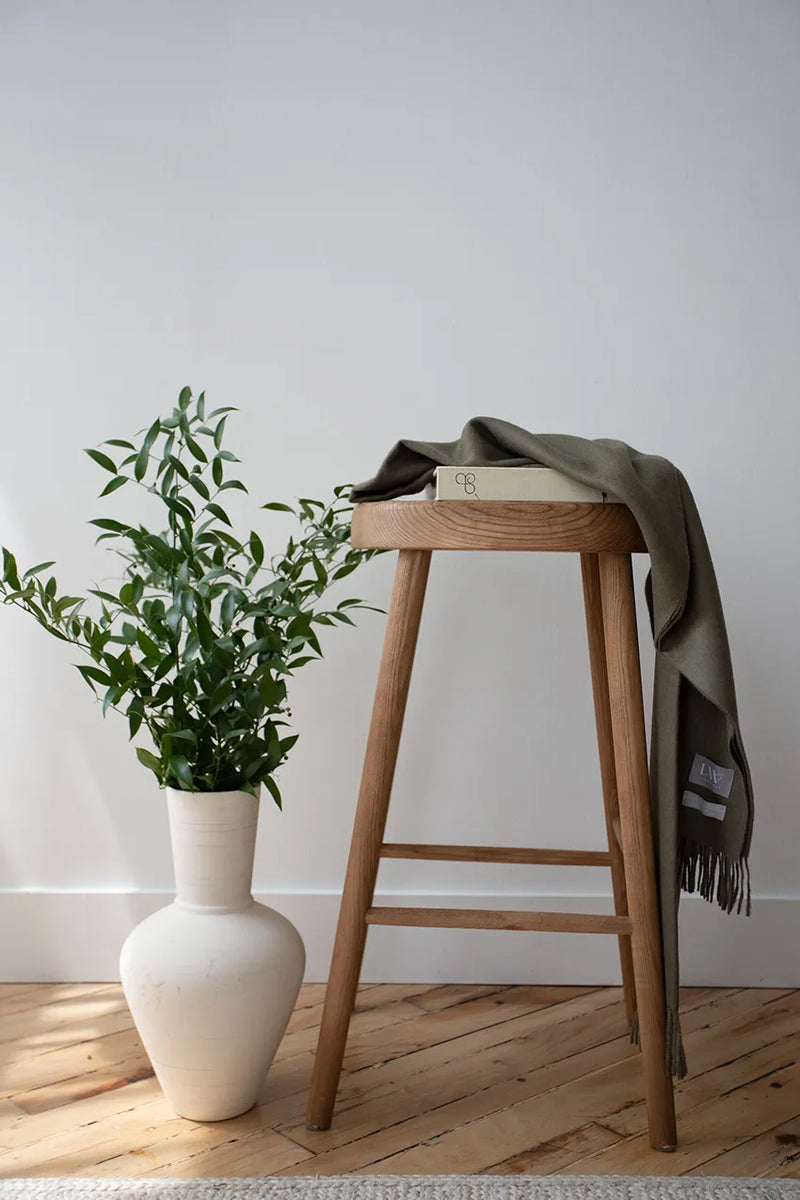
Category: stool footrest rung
<point>497,854</point>
<point>492,918</point>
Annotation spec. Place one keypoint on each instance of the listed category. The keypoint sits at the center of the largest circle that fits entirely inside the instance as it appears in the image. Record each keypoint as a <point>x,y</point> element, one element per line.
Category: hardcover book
<point>513,483</point>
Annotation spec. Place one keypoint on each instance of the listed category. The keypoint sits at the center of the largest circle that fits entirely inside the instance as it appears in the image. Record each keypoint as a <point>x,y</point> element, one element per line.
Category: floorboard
<point>438,1079</point>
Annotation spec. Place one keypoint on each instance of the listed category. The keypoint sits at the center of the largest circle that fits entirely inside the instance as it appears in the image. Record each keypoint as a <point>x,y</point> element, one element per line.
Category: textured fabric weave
<point>406,1187</point>
<point>702,840</point>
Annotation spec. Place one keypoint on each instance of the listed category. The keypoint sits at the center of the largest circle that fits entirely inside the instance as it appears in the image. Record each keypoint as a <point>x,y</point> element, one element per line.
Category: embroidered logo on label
<point>707,807</point>
<point>717,779</point>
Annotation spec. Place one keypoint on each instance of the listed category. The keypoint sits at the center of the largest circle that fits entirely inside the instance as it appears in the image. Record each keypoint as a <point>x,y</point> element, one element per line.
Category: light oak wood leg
<point>633,789</point>
<point>388,711</point>
<point>593,604</point>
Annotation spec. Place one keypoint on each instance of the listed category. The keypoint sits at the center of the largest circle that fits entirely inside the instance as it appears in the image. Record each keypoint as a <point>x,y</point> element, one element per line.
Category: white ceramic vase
<point>212,979</point>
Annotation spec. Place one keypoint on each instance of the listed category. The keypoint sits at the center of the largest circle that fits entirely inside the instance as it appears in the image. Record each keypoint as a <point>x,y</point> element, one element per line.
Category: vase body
<point>211,980</point>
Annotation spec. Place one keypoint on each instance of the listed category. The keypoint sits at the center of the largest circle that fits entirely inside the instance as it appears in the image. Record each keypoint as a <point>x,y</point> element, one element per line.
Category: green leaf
<point>216,472</point>
<point>201,406</point>
<point>180,768</point>
<point>295,663</point>
<point>184,735</point>
<point>107,596</point>
<point>164,667</point>
<point>219,696</point>
<point>67,602</point>
<point>204,631</point>
<point>196,450</point>
<point>275,507</point>
<point>256,548</point>
<point>39,567</point>
<point>273,691</point>
<point>10,574</point>
<point>152,434</point>
<point>179,467</point>
<point>273,789</point>
<point>219,433</point>
<point>228,608</point>
<point>107,523</point>
<point>25,594</point>
<point>142,459</point>
<point>228,456</point>
<point>118,442</point>
<point>102,460</point>
<point>173,618</point>
<point>218,512</point>
<point>114,484</point>
<point>217,411</point>
<point>148,760</point>
<point>232,483</point>
<point>147,645</point>
<point>346,570</point>
<point>95,674</point>
<point>184,398</point>
<point>134,720</point>
<point>199,486</point>
<point>182,507</point>
<point>160,550</point>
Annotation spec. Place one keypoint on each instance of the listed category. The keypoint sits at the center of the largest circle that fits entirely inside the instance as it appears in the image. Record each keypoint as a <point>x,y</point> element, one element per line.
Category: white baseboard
<point>76,936</point>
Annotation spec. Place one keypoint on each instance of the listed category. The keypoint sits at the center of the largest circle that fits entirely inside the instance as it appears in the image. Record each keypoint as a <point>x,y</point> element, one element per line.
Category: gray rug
<point>406,1187</point>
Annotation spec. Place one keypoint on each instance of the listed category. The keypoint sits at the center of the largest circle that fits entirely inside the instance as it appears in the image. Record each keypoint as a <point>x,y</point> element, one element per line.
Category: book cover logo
<point>466,480</point>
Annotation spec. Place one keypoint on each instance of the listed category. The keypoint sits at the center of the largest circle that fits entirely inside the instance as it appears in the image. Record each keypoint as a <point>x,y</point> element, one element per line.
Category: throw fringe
<point>709,871</point>
<point>675,1059</point>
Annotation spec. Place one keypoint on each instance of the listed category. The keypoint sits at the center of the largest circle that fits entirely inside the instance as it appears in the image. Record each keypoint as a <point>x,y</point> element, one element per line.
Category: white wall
<point>364,221</point>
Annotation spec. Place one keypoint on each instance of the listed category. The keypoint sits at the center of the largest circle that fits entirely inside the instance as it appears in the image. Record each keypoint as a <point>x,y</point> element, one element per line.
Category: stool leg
<point>608,775</point>
<point>633,786</point>
<point>388,710</point>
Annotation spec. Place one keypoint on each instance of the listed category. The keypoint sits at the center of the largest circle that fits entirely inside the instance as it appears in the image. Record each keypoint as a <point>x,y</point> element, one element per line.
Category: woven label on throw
<point>717,779</point>
<point>707,807</point>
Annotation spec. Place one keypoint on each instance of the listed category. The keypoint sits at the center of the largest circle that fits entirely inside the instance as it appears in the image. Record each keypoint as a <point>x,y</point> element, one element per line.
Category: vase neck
<point>213,844</point>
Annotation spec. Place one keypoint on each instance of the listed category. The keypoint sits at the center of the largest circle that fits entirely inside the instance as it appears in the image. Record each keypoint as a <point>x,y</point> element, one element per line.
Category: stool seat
<point>496,525</point>
<point>604,536</point>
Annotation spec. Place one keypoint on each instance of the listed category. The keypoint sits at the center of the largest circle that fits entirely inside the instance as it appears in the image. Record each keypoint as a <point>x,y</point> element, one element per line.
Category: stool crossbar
<point>605,536</point>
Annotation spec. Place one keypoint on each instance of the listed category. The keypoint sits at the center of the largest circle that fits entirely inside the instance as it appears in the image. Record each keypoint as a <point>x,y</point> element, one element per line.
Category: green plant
<point>199,637</point>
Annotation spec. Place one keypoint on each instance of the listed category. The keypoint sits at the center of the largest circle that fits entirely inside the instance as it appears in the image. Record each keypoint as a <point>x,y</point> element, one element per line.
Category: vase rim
<point>226,792</point>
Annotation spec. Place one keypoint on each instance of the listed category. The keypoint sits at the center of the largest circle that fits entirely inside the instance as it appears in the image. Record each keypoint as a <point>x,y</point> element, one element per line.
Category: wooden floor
<point>438,1080</point>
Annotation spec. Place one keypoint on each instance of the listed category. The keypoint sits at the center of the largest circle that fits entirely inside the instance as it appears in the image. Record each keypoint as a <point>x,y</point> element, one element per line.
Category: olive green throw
<point>701,788</point>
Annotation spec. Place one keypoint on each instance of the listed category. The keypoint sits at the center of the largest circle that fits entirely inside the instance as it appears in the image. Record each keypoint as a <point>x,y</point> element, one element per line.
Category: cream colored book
<point>513,483</point>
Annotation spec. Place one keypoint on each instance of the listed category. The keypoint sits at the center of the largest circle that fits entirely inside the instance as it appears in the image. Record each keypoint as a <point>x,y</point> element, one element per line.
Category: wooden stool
<point>604,535</point>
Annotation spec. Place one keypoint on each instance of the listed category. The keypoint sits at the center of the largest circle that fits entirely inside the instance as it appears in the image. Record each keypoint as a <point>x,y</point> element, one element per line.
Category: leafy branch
<point>198,640</point>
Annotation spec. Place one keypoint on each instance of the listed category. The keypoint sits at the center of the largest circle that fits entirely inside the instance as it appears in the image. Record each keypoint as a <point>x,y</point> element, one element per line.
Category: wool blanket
<point>701,789</point>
